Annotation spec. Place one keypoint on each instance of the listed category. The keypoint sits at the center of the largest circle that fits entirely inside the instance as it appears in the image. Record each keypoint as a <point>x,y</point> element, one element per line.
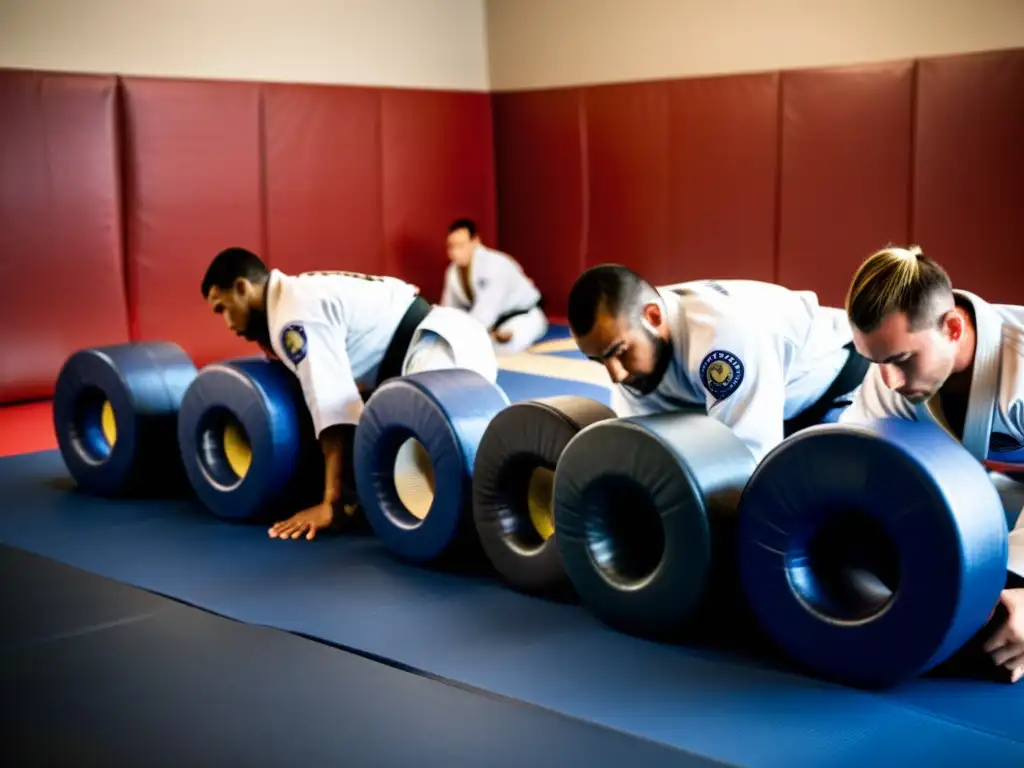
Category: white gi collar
<point>981,401</point>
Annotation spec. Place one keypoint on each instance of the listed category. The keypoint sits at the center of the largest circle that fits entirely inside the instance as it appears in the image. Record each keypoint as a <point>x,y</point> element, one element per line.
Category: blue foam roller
<point>115,410</point>
<point>871,554</point>
<point>414,451</point>
<point>247,441</point>
<point>645,509</point>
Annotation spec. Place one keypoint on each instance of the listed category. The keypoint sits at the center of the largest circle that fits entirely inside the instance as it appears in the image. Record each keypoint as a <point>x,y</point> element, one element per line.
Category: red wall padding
<point>539,146</point>
<point>194,187</point>
<point>846,136</point>
<point>627,140</point>
<point>723,155</point>
<point>791,177</point>
<point>61,264</point>
<point>437,162</point>
<point>323,179</point>
<point>969,170</point>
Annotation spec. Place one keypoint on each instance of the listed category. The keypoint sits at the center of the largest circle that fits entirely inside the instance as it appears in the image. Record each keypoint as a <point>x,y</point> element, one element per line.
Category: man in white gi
<point>763,360</point>
<point>949,357</point>
<point>341,334</point>
<point>492,287</point>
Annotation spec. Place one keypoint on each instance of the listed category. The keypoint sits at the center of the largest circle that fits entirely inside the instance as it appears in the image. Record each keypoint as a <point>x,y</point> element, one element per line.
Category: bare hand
<point>1006,646</point>
<point>502,337</point>
<point>308,521</point>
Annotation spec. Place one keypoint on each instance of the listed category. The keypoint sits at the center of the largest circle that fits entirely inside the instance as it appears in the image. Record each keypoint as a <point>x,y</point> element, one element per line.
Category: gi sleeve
<point>317,354</point>
<point>745,385</point>
<point>448,298</point>
<point>874,400</point>
<point>625,404</point>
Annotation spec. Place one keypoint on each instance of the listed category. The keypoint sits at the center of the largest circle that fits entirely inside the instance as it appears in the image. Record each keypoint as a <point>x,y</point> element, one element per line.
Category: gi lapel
<point>982,400</point>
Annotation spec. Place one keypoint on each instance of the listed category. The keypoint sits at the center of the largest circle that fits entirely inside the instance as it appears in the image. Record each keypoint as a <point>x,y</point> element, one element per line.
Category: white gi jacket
<point>752,354</point>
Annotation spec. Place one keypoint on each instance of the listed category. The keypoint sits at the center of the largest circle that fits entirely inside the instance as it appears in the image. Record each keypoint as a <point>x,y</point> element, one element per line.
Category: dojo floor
<point>147,633</point>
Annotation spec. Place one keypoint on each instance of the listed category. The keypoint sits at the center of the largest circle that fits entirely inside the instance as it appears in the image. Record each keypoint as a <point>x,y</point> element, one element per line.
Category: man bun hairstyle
<point>231,264</point>
<point>611,288</point>
<point>896,280</point>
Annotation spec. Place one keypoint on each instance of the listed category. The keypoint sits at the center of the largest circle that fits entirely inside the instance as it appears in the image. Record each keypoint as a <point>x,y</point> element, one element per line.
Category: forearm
<point>332,442</point>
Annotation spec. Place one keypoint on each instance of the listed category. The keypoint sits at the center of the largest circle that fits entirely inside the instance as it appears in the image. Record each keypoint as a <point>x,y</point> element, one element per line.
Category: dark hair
<point>467,224</point>
<point>231,264</point>
<point>612,288</point>
<point>897,280</point>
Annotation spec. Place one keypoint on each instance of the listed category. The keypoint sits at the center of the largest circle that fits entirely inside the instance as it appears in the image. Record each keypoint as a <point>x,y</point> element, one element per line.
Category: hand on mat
<point>308,522</point>
<point>502,337</point>
<point>1006,646</point>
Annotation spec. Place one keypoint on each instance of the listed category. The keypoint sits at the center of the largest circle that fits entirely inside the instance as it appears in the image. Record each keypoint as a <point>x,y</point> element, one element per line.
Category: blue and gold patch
<point>293,342</point>
<point>721,373</point>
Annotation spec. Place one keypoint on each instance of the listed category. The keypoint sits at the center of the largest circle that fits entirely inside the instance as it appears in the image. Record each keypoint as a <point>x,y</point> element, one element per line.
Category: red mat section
<point>627,141</point>
<point>194,170</point>
<point>845,172</point>
<point>61,258</point>
<point>323,178</point>
<point>969,170</point>
<point>26,428</point>
<point>438,165</point>
<point>538,138</point>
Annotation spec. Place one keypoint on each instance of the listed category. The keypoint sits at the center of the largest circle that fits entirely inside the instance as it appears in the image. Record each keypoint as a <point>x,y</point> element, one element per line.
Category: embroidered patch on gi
<point>721,373</point>
<point>293,342</point>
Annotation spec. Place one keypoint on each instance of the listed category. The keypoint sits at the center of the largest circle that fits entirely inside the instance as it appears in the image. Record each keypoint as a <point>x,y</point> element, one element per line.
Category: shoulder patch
<point>293,342</point>
<point>721,373</point>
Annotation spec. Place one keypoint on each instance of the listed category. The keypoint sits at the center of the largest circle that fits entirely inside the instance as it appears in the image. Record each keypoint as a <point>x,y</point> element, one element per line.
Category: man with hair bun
<point>947,356</point>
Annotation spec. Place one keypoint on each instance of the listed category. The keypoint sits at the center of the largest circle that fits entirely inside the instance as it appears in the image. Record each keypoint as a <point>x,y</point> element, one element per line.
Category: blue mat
<point>77,654</point>
<point>476,632</point>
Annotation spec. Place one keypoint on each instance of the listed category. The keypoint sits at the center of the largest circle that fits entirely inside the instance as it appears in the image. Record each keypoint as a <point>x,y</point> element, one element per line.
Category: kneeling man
<point>493,288</point>
<point>949,357</point>
<point>763,360</point>
<point>341,334</point>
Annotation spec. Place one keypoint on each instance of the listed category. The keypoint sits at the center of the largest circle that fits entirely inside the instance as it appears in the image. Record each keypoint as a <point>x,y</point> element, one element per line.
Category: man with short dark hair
<point>949,357</point>
<point>493,288</point>
<point>340,333</point>
<point>763,360</point>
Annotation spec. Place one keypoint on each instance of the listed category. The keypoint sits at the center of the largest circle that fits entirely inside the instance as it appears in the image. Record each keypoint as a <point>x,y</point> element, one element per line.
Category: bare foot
<point>308,521</point>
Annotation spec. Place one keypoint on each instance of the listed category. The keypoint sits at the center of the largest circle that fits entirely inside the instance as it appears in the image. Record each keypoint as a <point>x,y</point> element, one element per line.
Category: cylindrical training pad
<point>871,553</point>
<point>414,451</point>
<point>513,486</point>
<point>644,509</point>
<point>114,412</point>
<point>247,441</point>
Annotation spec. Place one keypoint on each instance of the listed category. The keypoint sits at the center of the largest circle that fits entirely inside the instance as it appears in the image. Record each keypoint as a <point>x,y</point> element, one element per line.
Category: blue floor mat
<point>555,332</point>
<point>476,632</point>
<point>77,654</point>
<point>526,386</point>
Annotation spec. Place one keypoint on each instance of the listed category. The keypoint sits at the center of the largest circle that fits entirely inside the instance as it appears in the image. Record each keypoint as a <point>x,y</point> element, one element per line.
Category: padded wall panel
<point>627,147</point>
<point>61,256</point>
<point>438,165</point>
<point>723,161</point>
<point>845,172</point>
<point>323,177</point>
<point>194,188</point>
<point>541,186</point>
<point>969,170</point>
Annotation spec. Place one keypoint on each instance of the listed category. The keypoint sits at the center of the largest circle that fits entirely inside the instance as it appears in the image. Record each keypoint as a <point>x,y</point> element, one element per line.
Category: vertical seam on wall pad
<point>262,149</point>
<point>122,157</point>
<point>584,179</point>
<point>779,127</point>
<point>915,76</point>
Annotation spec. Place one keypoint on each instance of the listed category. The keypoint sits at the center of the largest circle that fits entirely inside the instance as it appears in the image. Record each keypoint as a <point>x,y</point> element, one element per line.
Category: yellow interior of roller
<point>540,498</point>
<point>414,478</point>
<point>237,450</point>
<point>108,423</point>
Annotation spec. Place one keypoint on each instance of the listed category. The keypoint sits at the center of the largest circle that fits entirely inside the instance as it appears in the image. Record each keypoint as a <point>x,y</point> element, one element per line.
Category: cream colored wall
<point>439,44</point>
<point>545,43</point>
